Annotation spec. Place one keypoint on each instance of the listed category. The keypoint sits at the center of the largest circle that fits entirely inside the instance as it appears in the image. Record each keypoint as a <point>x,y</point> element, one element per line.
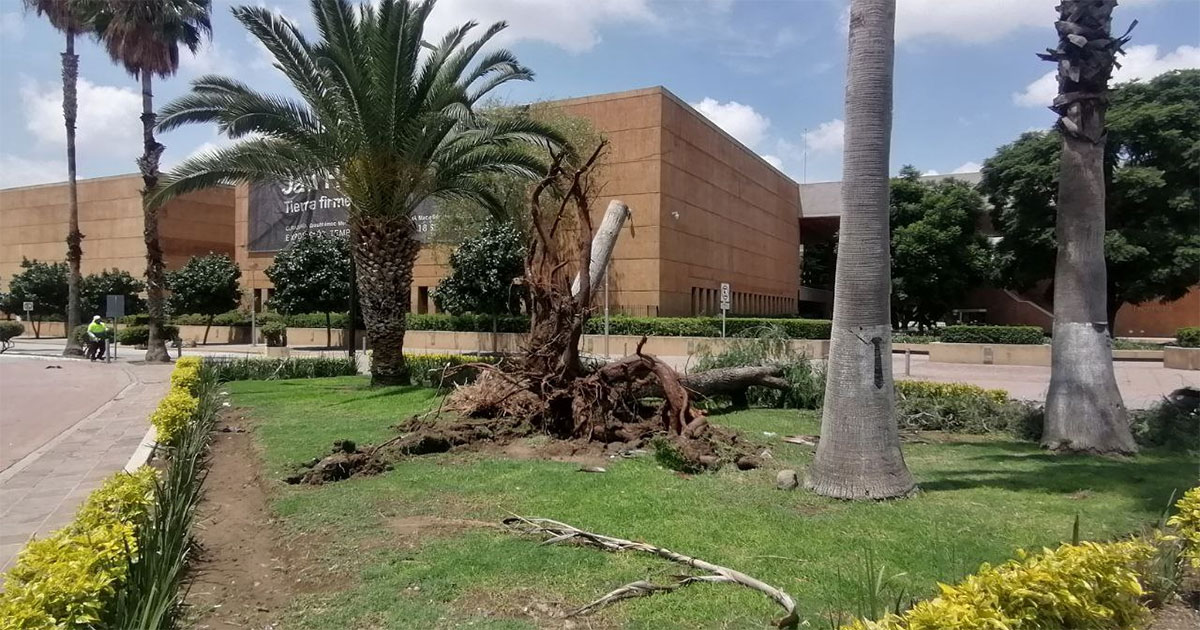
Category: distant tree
<point>1152,205</point>
<point>145,36</point>
<point>207,285</point>
<point>44,284</point>
<point>67,16</point>
<point>312,276</point>
<point>96,287</point>
<point>482,271</point>
<point>938,253</point>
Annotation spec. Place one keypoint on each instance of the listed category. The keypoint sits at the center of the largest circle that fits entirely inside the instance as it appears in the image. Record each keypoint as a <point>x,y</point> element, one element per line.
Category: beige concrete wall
<point>1181,358</point>
<point>989,353</point>
<point>33,224</point>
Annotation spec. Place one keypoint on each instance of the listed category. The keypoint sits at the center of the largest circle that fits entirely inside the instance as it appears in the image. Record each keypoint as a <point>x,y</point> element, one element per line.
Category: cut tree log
<point>558,532</point>
<point>602,245</point>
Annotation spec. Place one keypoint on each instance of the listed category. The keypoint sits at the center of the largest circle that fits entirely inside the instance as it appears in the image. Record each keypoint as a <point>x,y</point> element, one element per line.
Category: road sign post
<point>726,300</point>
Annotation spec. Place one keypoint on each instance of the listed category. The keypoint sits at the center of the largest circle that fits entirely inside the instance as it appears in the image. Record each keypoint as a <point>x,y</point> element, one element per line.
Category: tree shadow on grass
<point>1150,479</point>
<point>385,392</point>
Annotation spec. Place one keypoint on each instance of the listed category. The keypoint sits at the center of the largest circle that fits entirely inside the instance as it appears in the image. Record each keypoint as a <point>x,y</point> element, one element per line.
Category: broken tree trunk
<point>561,532</point>
<point>603,244</point>
<point>725,381</point>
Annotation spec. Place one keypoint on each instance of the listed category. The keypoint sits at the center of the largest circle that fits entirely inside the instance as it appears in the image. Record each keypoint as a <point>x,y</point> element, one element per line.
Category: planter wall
<point>990,353</point>
<point>1181,358</point>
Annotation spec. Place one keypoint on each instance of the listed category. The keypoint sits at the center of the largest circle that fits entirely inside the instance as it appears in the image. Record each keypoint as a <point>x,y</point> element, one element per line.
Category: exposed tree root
<point>557,532</point>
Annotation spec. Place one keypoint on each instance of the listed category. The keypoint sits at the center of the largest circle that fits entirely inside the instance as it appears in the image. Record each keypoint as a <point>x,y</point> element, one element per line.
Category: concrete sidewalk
<point>41,491</point>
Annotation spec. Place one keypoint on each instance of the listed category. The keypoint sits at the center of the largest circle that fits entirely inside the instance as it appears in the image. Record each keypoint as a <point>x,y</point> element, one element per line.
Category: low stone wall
<point>45,329</point>
<point>1181,358</point>
<point>990,353</point>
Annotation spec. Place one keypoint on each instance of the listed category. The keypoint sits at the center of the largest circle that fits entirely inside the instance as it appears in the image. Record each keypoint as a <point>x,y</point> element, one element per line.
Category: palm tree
<point>1084,410</point>
<point>145,36</point>
<point>65,16</point>
<point>384,117</point>
<point>859,455</point>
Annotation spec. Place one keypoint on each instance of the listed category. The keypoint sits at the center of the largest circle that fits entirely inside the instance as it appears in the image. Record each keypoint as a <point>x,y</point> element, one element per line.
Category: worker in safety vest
<point>97,333</point>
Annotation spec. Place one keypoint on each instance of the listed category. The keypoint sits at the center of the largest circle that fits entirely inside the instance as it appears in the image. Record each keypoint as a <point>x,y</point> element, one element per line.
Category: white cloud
<point>738,120</point>
<point>109,117</point>
<point>829,136</point>
<point>573,26</point>
<point>930,173</point>
<point>19,171</point>
<point>212,58</point>
<point>967,167</point>
<point>12,28</point>
<point>773,160</point>
<point>973,21</point>
<point>1140,62</point>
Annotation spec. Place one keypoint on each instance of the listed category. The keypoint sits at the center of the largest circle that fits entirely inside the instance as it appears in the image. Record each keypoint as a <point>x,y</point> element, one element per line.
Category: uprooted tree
<point>549,389</point>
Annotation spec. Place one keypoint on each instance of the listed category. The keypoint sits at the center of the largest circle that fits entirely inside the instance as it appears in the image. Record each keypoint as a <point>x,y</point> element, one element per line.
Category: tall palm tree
<point>145,36</point>
<point>66,16</point>
<point>859,455</point>
<point>387,123</point>
<point>1084,410</point>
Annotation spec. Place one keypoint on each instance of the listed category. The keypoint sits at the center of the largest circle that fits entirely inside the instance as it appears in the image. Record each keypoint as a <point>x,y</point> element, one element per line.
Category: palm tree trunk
<point>156,348</point>
<point>859,455</point>
<point>384,252</point>
<point>1084,410</point>
<point>70,76</point>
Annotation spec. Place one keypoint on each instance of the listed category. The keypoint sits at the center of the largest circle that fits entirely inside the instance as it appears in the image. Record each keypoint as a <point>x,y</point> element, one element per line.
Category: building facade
<point>34,220</point>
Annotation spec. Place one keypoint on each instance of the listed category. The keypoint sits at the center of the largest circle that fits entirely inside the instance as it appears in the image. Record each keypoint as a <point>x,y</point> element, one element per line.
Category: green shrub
<point>623,325</point>
<point>993,334</point>
<point>261,369</point>
<point>1187,522</point>
<point>769,345</point>
<point>10,329</point>
<point>963,408</point>
<point>140,335</point>
<point>1171,424</point>
<point>67,579</point>
<point>275,332</point>
<point>1188,337</point>
<point>140,319</point>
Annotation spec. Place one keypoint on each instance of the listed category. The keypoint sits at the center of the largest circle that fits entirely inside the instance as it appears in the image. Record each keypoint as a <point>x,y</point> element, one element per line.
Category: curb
<point>144,451</point>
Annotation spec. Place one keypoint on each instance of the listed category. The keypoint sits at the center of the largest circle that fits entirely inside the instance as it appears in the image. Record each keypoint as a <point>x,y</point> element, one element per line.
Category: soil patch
<point>544,610</point>
<point>245,572</point>
<point>1176,616</point>
<point>411,530</point>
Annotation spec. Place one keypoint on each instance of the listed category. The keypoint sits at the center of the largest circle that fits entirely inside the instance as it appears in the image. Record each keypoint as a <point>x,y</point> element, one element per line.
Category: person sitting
<point>97,333</point>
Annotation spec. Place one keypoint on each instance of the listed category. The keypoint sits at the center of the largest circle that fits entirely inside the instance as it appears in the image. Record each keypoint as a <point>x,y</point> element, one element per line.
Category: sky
<point>770,72</point>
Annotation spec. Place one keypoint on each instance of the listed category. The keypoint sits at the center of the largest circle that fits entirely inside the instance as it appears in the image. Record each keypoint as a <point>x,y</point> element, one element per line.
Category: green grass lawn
<point>982,498</point>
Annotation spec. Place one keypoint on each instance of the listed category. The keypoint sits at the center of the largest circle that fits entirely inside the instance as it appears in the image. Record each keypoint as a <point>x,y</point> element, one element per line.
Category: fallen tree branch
<point>561,532</point>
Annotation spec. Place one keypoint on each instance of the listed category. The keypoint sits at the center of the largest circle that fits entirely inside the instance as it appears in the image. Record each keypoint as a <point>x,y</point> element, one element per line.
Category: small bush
<point>275,333</point>
<point>140,335</point>
<point>272,369</point>
<point>435,370</point>
<point>10,329</point>
<point>1188,337</point>
<point>1186,521</point>
<point>186,376</point>
<point>993,334</point>
<point>769,345</point>
<point>174,412</point>
<point>67,579</point>
<point>1171,424</point>
<point>1088,585</point>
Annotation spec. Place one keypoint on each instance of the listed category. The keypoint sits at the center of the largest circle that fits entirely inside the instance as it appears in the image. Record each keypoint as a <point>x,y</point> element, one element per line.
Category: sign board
<point>726,296</point>
<point>115,306</point>
<point>27,306</point>
<point>279,213</point>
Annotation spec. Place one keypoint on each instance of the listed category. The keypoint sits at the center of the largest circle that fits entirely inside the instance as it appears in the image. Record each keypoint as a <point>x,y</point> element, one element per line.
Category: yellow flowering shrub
<point>174,411</point>
<point>66,579</point>
<point>1089,585</point>
<point>1187,522</point>
<point>942,390</point>
<point>186,376</point>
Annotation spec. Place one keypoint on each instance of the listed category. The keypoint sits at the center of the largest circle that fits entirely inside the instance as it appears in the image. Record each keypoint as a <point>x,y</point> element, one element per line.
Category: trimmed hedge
<point>10,329</point>
<point>261,369</point>
<point>140,335</point>
<point>68,579</point>
<point>1188,337</point>
<point>993,334</point>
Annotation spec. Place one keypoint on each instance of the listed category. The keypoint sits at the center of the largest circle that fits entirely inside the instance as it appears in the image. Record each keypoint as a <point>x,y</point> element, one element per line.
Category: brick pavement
<point>42,491</point>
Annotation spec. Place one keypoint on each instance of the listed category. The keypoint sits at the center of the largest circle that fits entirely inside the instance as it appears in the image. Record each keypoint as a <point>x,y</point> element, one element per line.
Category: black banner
<point>282,213</point>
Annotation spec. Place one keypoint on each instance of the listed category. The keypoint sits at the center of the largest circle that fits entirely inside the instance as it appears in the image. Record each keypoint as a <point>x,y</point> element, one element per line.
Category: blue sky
<point>770,72</point>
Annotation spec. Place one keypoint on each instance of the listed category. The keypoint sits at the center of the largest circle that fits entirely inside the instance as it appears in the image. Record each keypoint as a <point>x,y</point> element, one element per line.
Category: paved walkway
<point>71,447</point>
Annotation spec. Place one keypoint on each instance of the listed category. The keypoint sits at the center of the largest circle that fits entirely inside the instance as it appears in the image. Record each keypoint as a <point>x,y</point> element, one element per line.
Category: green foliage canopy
<point>207,285</point>
<point>482,271</point>
<point>96,287</point>
<point>43,283</point>
<point>1152,242</point>
<point>311,276</point>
